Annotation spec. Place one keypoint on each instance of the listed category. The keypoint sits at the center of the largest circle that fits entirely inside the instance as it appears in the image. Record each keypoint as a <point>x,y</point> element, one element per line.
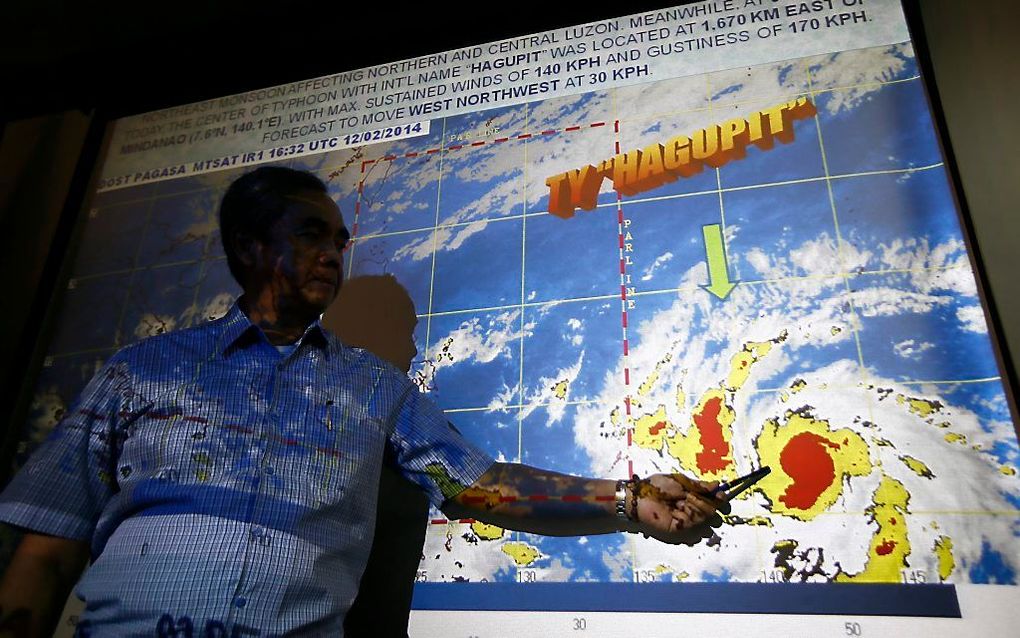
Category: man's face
<point>301,261</point>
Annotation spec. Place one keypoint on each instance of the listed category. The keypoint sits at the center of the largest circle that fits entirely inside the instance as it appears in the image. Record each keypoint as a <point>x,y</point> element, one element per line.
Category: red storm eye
<point>806,460</point>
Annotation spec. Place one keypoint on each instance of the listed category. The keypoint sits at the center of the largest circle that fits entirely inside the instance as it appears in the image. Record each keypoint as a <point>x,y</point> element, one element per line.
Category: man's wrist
<point>626,503</point>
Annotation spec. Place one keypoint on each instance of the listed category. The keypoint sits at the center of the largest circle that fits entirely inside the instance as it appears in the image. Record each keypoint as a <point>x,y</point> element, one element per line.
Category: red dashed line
<point>623,306</point>
<point>623,270</point>
<point>498,140</point>
<point>196,419</point>
<point>566,498</point>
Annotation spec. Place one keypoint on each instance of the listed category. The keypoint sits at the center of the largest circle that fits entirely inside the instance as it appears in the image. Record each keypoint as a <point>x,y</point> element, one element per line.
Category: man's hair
<point>255,201</point>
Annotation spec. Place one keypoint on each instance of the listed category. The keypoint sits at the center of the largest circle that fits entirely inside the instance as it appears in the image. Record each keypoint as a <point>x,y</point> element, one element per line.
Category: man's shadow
<point>376,313</point>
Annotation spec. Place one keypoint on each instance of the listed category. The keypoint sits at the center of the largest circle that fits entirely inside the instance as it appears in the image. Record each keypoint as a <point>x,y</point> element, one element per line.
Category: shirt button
<point>256,531</point>
<point>269,471</point>
<point>240,601</point>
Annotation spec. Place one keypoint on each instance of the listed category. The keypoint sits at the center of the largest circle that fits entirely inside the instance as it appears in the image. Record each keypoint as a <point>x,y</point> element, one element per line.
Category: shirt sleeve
<point>65,484</point>
<point>431,452</point>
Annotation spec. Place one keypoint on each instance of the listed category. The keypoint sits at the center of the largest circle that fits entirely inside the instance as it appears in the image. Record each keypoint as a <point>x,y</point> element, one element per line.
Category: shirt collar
<point>237,329</point>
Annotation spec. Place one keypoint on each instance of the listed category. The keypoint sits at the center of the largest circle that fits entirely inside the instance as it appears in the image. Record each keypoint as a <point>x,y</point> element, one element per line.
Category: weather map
<point>841,342</point>
<point>757,266</point>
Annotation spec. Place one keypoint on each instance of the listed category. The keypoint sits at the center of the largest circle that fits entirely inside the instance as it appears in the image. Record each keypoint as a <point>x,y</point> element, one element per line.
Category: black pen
<point>741,483</point>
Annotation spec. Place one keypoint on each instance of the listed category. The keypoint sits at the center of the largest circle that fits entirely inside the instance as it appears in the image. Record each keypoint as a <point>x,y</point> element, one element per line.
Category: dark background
<point>66,67</point>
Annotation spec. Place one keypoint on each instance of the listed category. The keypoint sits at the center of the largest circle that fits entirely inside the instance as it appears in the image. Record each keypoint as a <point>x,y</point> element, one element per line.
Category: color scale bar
<point>935,601</point>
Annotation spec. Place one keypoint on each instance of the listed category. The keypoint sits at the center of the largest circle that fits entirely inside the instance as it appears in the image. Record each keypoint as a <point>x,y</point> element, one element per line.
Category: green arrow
<point>715,254</point>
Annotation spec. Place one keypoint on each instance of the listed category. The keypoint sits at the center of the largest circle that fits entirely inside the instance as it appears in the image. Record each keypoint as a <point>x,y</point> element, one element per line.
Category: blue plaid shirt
<point>229,489</point>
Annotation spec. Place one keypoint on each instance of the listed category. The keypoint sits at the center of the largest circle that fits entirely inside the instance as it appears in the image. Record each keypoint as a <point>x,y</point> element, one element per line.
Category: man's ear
<point>246,248</point>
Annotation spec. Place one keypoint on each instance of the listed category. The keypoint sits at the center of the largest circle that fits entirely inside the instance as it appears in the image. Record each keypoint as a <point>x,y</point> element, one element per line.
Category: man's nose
<point>330,255</point>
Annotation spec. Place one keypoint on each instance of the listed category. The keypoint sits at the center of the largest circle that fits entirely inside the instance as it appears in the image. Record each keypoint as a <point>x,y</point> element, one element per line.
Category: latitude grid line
<point>642,293</point>
<point>554,302</point>
<point>157,195</point>
<point>642,200</point>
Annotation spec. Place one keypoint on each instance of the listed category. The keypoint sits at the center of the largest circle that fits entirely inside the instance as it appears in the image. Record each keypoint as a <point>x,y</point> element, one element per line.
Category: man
<point>376,312</point>
<point>224,476</point>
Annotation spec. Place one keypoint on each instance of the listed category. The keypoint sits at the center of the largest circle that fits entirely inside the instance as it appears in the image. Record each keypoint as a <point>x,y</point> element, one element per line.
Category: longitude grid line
<point>630,539</point>
<point>726,262</point>
<point>520,367</point>
<point>354,225</point>
<point>435,241</point>
<point>854,317</point>
<point>203,261</point>
<point>131,275</point>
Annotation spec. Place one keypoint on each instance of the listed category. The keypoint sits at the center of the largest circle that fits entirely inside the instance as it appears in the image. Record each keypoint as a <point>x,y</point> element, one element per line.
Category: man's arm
<point>528,499</point>
<point>37,583</point>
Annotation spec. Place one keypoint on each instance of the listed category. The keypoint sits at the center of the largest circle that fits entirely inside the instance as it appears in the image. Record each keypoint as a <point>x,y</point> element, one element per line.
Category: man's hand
<point>667,504</point>
<point>37,583</point>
